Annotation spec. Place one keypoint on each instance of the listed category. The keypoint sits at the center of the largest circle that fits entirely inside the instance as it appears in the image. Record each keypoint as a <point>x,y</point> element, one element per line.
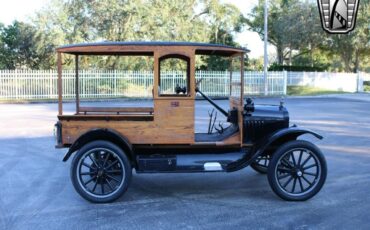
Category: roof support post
<point>60,89</point>
<point>231,75</point>
<point>77,88</point>
<point>241,78</point>
<point>265,56</point>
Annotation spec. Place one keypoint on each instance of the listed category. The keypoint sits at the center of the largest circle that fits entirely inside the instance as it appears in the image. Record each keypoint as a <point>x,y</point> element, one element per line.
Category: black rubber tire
<point>272,172</point>
<point>256,167</point>
<point>127,169</point>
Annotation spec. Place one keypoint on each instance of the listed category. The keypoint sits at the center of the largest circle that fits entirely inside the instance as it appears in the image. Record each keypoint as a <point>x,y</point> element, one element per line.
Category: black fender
<point>279,137</point>
<point>282,136</point>
<point>101,134</point>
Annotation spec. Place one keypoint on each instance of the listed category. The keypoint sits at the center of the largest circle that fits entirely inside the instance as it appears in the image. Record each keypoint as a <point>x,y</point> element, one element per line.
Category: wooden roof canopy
<point>147,48</point>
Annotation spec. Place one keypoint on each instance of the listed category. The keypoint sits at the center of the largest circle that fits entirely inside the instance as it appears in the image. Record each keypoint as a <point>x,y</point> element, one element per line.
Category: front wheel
<point>100,172</point>
<point>297,171</point>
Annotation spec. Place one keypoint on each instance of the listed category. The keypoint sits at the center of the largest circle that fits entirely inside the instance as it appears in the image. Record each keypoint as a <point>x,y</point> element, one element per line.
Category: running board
<point>187,162</point>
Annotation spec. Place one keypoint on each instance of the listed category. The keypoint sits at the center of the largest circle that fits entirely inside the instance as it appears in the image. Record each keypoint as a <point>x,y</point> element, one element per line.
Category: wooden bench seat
<point>116,110</point>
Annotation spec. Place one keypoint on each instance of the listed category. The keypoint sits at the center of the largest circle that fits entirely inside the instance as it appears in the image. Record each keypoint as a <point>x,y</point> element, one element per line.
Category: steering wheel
<point>179,89</point>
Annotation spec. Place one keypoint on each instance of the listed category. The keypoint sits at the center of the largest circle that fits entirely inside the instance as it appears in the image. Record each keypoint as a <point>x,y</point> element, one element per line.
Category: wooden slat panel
<point>173,124</point>
<point>138,132</point>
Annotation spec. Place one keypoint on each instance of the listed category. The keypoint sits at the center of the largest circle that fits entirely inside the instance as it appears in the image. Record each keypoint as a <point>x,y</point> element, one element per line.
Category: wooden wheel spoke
<point>300,184</point>
<point>109,184</point>
<point>94,161</point>
<point>282,169</point>
<point>111,165</point>
<point>293,158</point>
<point>294,182</point>
<point>300,157</point>
<point>113,178</point>
<point>309,173</point>
<point>91,179</point>
<point>308,182</point>
<point>102,187</point>
<point>305,161</point>
<point>286,163</point>
<point>106,159</point>
<point>114,171</point>
<point>283,176</point>
<point>96,183</point>
<point>86,165</point>
<point>87,173</point>
<point>288,181</point>
<point>310,166</point>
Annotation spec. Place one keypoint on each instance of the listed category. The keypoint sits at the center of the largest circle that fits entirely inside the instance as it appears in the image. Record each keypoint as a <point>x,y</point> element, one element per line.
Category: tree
<point>2,49</point>
<point>295,30</point>
<point>224,20</point>
<point>17,46</point>
<point>292,26</point>
<point>73,21</point>
<point>354,46</point>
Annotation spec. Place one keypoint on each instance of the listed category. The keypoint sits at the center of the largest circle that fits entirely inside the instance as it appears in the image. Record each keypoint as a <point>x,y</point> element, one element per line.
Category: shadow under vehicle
<point>108,143</point>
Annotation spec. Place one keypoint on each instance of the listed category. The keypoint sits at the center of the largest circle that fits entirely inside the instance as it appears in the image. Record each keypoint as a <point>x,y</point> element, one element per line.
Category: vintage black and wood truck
<point>106,144</point>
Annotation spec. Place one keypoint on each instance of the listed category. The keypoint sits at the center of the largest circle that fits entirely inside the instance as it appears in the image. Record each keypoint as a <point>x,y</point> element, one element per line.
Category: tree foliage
<point>75,21</point>
<point>17,48</point>
<point>295,30</point>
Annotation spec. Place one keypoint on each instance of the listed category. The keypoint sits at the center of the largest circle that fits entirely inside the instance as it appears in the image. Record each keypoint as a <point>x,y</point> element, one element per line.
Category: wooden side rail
<point>106,117</point>
<point>117,110</point>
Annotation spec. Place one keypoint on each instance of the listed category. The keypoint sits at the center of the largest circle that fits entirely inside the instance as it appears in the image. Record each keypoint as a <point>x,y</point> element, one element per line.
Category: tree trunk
<point>347,62</point>
<point>280,54</point>
<point>357,62</point>
<point>311,54</point>
<point>290,54</point>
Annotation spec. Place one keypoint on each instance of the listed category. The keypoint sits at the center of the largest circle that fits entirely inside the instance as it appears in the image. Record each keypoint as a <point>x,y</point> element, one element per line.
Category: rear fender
<point>101,134</point>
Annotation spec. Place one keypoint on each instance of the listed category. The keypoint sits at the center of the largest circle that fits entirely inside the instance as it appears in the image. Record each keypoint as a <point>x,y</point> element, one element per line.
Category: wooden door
<point>174,113</point>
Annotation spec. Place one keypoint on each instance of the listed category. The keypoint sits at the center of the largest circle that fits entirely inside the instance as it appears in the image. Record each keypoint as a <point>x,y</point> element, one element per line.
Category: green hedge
<point>367,86</point>
<point>277,67</point>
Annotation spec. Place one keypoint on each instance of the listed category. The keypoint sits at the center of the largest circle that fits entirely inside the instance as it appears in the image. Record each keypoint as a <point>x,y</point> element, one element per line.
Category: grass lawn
<point>308,91</point>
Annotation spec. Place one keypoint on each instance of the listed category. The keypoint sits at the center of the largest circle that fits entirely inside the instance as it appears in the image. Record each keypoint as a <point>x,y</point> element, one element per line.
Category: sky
<point>22,9</point>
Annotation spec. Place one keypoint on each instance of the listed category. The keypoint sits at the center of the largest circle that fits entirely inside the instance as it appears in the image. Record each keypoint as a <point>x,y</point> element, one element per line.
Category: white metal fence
<point>42,84</point>
<point>39,84</point>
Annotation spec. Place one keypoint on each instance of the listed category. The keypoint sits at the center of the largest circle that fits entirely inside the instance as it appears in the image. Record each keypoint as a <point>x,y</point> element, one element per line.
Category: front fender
<point>283,135</point>
<point>279,137</point>
<point>100,134</point>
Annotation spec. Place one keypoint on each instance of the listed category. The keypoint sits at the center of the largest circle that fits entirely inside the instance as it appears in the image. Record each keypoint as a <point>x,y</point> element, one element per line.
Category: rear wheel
<point>100,172</point>
<point>297,171</point>
<point>261,163</point>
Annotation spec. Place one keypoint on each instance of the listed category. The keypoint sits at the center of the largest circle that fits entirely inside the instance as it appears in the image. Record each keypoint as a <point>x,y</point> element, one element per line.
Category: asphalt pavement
<point>36,191</point>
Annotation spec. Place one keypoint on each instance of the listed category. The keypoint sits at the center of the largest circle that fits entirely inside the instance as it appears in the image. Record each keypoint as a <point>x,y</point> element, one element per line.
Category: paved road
<point>36,192</point>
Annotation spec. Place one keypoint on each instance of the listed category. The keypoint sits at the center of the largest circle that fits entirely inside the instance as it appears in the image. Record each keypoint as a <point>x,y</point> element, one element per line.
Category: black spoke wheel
<point>261,163</point>
<point>100,172</point>
<point>297,171</point>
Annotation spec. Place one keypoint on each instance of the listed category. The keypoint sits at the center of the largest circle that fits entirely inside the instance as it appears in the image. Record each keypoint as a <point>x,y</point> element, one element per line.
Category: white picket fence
<point>39,84</point>
<point>348,82</point>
